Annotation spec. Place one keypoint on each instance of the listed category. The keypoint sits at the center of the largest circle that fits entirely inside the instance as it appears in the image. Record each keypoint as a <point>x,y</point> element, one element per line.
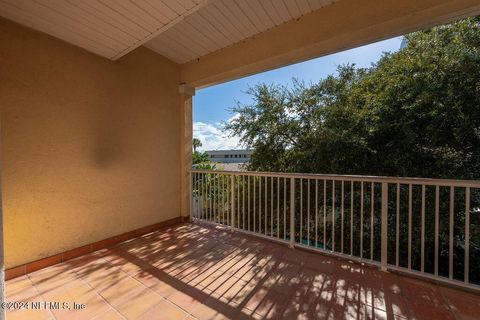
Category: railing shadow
<point>238,276</point>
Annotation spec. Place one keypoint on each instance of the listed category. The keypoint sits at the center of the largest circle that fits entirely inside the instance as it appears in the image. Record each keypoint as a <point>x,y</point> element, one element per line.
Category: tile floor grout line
<point>142,284</point>
<point>98,293</point>
<point>36,289</point>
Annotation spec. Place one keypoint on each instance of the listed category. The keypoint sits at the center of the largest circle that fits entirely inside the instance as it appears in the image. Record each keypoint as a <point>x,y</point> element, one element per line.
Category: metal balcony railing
<point>426,227</point>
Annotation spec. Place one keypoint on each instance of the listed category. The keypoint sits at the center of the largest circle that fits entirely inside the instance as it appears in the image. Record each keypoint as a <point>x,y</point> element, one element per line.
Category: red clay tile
<point>215,274</point>
<point>165,311</point>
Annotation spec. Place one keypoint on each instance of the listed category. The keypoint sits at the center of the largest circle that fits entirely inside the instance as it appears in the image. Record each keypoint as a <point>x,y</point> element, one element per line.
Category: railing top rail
<point>356,178</point>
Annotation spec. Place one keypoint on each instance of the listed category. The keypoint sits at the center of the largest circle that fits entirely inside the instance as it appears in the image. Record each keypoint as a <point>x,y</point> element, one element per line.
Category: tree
<point>413,113</point>
<point>197,156</point>
<point>196,143</point>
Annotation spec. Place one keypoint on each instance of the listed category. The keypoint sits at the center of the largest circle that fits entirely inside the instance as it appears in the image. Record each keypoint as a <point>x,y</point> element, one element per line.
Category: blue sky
<point>210,104</point>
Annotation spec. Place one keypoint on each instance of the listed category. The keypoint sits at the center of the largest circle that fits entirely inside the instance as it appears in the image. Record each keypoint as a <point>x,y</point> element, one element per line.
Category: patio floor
<point>193,271</point>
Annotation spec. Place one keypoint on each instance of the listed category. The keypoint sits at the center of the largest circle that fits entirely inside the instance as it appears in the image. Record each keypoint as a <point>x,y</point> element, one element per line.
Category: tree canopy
<point>415,112</point>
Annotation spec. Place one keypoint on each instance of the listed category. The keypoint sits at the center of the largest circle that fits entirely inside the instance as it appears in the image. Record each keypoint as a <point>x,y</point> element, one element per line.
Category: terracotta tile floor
<point>197,272</point>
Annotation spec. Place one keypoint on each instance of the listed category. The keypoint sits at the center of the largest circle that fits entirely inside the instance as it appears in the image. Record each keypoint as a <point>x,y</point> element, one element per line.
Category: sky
<point>210,105</point>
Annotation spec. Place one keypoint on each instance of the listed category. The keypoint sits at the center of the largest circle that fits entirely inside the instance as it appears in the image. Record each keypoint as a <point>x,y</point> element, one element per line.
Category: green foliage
<point>415,112</point>
<point>196,143</point>
<point>199,157</point>
<point>206,166</point>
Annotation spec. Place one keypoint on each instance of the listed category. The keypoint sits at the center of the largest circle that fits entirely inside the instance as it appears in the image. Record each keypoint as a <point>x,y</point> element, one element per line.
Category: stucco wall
<point>90,147</point>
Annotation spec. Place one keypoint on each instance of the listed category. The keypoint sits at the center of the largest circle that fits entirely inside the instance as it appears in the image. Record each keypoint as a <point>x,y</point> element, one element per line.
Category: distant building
<point>229,156</point>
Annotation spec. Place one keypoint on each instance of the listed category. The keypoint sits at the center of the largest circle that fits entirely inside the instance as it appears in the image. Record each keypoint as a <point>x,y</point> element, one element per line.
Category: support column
<point>186,136</point>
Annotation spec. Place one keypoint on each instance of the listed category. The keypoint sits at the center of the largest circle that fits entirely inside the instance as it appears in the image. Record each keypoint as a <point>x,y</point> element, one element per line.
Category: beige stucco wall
<point>90,146</point>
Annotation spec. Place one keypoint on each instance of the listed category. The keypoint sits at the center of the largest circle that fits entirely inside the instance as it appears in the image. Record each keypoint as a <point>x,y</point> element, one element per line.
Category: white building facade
<point>229,156</point>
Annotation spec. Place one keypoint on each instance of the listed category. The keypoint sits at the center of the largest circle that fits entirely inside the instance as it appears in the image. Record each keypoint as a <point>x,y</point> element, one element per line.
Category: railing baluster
<point>190,194</point>
<point>409,226</point>
<point>222,191</point>
<point>210,195</point>
<point>422,232</point>
<point>292,212</point>
<point>308,212</point>
<point>324,214</point>
<point>397,231</point>
<point>351,215</point>
<point>384,227</point>
<point>278,207</point>
<point>343,216</point>
<point>372,213</point>
<point>254,205</point>
<point>217,198</point>
<point>248,210</point>
<point>301,211</point>
<point>238,201</point>
<point>284,208</point>
<point>214,198</point>
<point>316,213</point>
<point>450,237</point>
<point>361,219</point>
<point>203,196</point>
<point>266,208</point>
<point>260,205</point>
<point>243,202</point>
<point>200,196</point>
<point>232,190</point>
<point>227,202</point>
<point>467,235</point>
<point>212,192</point>
<point>271,206</point>
<point>207,197</point>
<point>437,227</point>
<point>195,193</point>
<point>333,215</point>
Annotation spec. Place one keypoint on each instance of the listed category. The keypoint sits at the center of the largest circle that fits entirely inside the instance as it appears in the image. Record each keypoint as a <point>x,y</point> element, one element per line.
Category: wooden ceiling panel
<point>222,23</point>
<point>182,30</point>
<point>110,28</point>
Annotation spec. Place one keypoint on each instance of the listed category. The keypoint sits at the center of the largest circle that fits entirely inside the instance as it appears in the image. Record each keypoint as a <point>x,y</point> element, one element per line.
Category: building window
<point>226,156</point>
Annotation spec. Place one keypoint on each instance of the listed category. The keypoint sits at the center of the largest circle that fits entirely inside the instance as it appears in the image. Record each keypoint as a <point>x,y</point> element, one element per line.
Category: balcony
<point>282,246</point>
<point>96,148</point>
<point>201,271</point>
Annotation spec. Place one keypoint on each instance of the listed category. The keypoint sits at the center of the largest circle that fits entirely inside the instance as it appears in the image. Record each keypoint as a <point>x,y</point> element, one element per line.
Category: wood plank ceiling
<point>181,30</point>
<point>225,22</point>
<point>110,28</point>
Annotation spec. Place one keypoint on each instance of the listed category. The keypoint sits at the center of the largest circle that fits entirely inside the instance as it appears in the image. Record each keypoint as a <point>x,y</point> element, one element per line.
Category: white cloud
<point>213,138</point>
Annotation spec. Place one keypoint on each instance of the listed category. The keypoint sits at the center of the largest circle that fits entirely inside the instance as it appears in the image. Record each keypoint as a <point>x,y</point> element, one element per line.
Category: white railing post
<point>384,247</point>
<point>232,199</point>
<point>190,193</point>
<point>292,212</point>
